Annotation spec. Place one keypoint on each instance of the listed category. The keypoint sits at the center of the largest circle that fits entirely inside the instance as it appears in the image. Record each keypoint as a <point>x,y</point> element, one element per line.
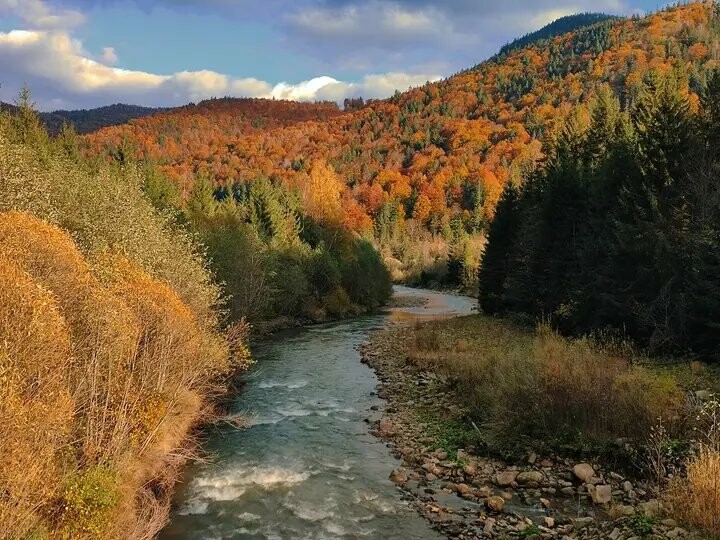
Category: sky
<point>88,53</point>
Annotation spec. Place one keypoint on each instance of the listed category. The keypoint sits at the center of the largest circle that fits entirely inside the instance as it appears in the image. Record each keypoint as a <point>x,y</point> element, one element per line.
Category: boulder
<point>506,478</point>
<point>386,428</point>
<point>399,476</point>
<point>529,477</point>
<point>652,508</point>
<point>496,504</point>
<point>601,494</point>
<point>584,471</point>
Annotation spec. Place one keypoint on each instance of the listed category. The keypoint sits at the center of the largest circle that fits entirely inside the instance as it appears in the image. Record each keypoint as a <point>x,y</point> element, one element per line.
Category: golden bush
<point>35,403</point>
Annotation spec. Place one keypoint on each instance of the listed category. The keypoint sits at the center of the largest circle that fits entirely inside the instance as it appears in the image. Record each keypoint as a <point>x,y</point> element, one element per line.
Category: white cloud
<point>37,14</point>
<point>109,56</point>
<point>61,74</point>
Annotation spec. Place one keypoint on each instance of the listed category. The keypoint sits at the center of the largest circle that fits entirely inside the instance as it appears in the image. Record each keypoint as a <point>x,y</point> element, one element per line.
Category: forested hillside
<point>563,25</point>
<point>423,171</point>
<point>89,120</point>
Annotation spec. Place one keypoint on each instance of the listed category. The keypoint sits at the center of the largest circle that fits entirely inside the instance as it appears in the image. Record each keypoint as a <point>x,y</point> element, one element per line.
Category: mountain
<point>560,26</point>
<point>88,120</point>
<point>431,163</point>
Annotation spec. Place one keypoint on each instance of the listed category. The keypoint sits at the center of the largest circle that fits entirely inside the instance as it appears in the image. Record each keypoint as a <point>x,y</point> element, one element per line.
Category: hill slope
<point>560,26</point>
<point>435,158</point>
<point>89,120</point>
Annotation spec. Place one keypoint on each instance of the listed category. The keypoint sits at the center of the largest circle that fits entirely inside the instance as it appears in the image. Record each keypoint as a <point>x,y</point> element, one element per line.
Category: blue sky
<point>85,53</point>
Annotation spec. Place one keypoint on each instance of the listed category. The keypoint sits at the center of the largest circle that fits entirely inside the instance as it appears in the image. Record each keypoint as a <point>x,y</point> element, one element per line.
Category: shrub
<point>87,503</point>
<point>542,385</point>
<point>35,402</point>
<point>696,498</point>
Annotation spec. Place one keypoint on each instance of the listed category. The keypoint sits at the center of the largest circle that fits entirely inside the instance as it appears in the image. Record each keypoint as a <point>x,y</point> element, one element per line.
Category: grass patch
<point>537,385</point>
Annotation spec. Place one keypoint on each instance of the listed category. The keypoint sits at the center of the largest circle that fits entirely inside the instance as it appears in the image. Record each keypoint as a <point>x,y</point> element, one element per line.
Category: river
<point>306,466</point>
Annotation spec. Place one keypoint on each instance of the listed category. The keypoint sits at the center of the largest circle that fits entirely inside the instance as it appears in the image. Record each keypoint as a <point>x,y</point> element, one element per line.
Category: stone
<point>583,471</point>
<point>386,428</point>
<point>545,503</point>
<point>627,486</point>
<point>430,477</point>
<point>601,494</point>
<point>677,532</point>
<point>651,508</point>
<point>470,470</point>
<point>549,522</point>
<point>489,526</point>
<point>506,478</point>
<point>496,504</point>
<point>581,523</point>
<point>483,492</point>
<point>532,458</point>
<point>529,477</point>
<point>463,489</point>
<point>441,455</point>
<point>615,534</point>
<point>399,476</point>
<point>568,491</point>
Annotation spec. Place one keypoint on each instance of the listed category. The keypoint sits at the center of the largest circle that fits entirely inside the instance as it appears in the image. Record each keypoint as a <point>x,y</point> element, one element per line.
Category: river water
<point>306,467</point>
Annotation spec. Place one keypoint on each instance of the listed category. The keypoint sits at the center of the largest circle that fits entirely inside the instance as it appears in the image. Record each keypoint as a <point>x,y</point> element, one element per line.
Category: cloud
<point>37,14</point>
<point>62,74</point>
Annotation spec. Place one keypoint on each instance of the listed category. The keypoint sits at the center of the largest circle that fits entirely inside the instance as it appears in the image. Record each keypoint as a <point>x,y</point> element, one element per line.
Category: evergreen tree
<point>495,259</point>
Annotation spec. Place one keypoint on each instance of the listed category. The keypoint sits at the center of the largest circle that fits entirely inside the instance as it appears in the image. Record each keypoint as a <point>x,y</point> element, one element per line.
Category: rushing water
<point>307,466</point>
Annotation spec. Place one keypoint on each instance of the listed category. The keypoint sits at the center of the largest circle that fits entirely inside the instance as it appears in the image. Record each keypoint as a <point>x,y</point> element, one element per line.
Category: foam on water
<point>291,385</point>
<point>235,483</point>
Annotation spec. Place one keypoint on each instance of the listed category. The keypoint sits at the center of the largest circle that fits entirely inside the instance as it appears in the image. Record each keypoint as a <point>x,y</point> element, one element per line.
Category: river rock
<point>386,428</point>
<point>529,477</point>
<point>584,471</point>
<point>651,508</point>
<point>600,494</point>
<point>399,476</point>
<point>496,504</point>
<point>506,478</point>
<point>489,526</point>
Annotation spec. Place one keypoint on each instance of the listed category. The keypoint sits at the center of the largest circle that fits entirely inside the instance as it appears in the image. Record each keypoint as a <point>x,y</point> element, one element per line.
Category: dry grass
<point>104,370</point>
<point>695,498</point>
<point>542,385</point>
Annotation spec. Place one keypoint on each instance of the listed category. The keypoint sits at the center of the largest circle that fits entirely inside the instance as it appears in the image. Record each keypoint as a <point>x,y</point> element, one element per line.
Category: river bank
<point>465,491</point>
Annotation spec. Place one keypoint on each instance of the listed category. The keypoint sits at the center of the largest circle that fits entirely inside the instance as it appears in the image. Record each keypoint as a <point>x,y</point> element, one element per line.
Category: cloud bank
<point>62,74</point>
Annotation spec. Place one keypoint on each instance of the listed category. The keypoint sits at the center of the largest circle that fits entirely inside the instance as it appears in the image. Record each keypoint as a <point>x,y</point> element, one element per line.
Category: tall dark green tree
<point>495,260</point>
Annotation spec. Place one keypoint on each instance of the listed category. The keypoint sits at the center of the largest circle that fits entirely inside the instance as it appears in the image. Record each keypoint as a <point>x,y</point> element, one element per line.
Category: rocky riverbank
<point>467,494</point>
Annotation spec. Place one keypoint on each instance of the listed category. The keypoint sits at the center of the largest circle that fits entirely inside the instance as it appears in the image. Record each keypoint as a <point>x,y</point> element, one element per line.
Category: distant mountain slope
<point>563,25</point>
<point>439,155</point>
<point>89,120</point>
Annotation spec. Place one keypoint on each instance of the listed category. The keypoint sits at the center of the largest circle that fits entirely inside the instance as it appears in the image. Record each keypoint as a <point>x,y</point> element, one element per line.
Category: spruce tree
<point>494,264</point>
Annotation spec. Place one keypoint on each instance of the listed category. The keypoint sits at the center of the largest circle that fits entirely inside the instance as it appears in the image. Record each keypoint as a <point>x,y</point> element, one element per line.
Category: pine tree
<point>494,264</point>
